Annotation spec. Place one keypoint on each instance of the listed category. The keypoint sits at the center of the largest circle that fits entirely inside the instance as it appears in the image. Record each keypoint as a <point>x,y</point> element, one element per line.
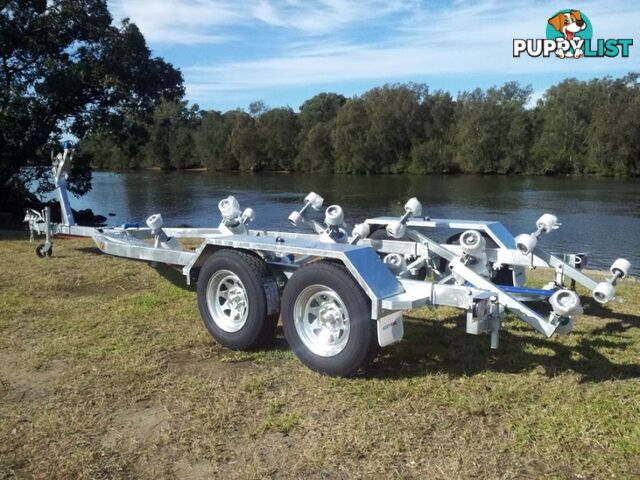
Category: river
<point>599,216</point>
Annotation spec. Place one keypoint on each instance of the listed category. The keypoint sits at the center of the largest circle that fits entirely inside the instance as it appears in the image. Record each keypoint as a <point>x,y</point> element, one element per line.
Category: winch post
<point>61,167</point>
<point>47,222</point>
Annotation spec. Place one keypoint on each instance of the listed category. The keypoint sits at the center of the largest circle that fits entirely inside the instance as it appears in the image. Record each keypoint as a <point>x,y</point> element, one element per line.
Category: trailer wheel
<point>326,318</point>
<point>238,299</point>
<point>43,250</point>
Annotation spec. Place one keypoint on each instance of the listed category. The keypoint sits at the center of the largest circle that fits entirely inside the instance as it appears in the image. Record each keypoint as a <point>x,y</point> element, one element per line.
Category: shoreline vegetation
<point>575,128</point>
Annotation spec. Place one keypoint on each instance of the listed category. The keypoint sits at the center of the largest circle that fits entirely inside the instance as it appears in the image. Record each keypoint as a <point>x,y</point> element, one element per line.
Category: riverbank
<point>107,371</point>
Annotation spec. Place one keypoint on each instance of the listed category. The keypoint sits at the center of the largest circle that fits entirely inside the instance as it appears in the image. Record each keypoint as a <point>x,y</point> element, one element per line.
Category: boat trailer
<point>341,294</point>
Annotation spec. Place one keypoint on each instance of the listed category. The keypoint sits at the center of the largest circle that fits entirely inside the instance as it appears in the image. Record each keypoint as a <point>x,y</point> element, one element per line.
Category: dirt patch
<point>268,456</point>
<point>19,383</point>
<point>211,365</point>
<point>139,425</point>
<point>194,469</point>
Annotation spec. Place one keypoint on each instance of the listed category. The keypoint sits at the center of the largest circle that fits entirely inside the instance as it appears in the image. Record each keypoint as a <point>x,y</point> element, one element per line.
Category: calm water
<point>600,216</point>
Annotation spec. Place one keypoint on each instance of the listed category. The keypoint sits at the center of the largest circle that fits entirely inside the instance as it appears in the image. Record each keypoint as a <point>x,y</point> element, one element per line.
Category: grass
<point>107,372</point>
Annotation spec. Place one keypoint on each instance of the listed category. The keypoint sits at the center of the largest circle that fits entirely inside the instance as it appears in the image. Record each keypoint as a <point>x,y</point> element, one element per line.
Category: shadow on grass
<point>432,346</point>
<point>278,344</point>
<point>174,275</point>
<point>89,250</point>
<point>624,323</point>
<point>171,273</point>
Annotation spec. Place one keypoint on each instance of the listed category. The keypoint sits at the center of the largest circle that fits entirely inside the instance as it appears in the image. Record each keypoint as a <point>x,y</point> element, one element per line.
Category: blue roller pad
<point>526,290</point>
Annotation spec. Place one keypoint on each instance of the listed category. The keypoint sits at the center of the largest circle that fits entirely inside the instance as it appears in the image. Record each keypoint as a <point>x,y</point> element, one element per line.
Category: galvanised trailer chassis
<point>341,296</point>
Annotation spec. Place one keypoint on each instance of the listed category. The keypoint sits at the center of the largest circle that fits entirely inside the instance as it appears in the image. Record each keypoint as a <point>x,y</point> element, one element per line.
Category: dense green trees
<point>434,152</point>
<point>492,130</point>
<point>376,132</point>
<point>561,144</point>
<point>64,68</point>
<point>210,141</point>
<point>590,127</point>
<point>278,129</point>
<point>317,120</point>
<point>576,127</point>
<point>614,139</point>
<point>171,143</point>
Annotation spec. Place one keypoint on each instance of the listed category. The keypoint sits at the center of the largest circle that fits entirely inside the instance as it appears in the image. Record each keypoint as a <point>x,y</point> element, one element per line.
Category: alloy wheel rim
<point>227,301</point>
<point>322,320</point>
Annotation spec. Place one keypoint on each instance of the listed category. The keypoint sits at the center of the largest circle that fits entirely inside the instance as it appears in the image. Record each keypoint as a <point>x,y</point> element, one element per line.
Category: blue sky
<point>284,52</point>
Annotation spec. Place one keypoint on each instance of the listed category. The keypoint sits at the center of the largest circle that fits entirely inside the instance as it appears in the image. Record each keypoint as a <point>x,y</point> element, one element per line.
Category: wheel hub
<point>227,301</point>
<point>236,297</point>
<point>330,316</point>
<point>322,320</point>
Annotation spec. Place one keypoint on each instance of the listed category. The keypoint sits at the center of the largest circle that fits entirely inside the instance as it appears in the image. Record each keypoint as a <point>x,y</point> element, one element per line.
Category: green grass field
<point>106,371</point>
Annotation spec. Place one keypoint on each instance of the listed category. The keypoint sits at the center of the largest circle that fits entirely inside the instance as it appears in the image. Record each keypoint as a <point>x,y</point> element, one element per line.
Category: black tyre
<point>43,251</point>
<point>504,276</point>
<point>455,240</point>
<point>381,234</point>
<point>326,318</point>
<point>238,299</point>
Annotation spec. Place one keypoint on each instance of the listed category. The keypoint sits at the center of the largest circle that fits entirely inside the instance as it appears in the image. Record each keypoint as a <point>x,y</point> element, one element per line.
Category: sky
<point>284,52</point>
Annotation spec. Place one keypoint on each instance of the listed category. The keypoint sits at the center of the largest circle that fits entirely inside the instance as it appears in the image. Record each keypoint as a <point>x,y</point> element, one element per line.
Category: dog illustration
<point>568,24</point>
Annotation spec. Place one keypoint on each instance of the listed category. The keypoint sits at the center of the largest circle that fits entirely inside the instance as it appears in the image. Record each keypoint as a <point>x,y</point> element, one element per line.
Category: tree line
<point>577,127</point>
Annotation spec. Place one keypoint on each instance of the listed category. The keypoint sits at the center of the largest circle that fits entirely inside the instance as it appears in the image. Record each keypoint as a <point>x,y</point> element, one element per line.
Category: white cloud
<point>196,21</point>
<point>175,21</point>
<point>473,38</point>
<point>322,42</point>
<point>324,16</point>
